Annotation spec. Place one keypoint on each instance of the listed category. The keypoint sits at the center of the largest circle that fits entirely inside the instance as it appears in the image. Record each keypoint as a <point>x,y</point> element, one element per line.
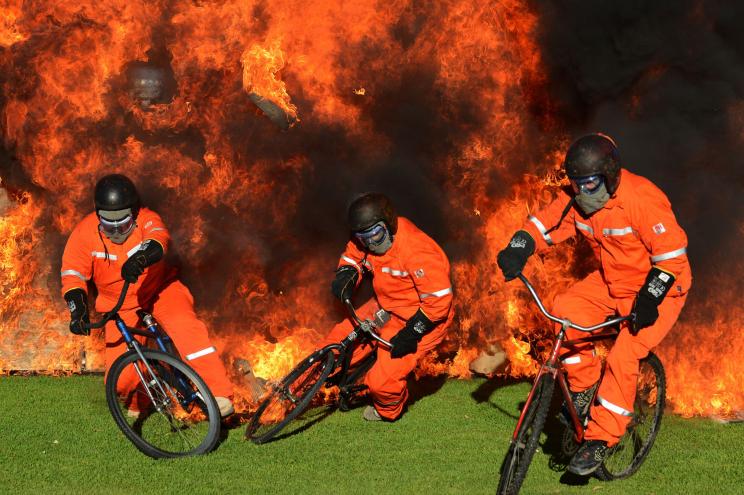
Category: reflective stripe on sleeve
<point>572,360</point>
<point>669,255</point>
<point>134,250</point>
<point>623,231</point>
<point>614,407</point>
<point>541,228</point>
<point>583,226</point>
<point>438,293</point>
<point>350,261</point>
<point>157,229</point>
<point>198,354</point>
<point>394,273</point>
<point>74,273</point>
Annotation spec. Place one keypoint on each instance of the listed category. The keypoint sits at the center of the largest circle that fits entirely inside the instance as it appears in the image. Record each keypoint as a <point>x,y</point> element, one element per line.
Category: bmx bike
<point>623,459</point>
<point>169,410</point>
<point>331,365</point>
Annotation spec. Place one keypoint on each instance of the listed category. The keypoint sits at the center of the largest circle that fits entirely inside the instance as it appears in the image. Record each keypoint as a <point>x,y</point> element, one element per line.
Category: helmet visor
<point>373,235</point>
<point>586,185</point>
<point>113,227</point>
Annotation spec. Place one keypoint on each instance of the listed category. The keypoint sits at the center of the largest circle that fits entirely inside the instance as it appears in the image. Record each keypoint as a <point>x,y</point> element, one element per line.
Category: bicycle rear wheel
<point>289,398</point>
<point>626,457</point>
<point>168,410</point>
<point>518,457</point>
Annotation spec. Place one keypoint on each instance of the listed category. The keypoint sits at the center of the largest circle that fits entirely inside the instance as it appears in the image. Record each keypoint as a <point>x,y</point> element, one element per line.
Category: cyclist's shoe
<point>371,414</point>
<point>588,458</point>
<point>582,401</point>
<point>225,405</point>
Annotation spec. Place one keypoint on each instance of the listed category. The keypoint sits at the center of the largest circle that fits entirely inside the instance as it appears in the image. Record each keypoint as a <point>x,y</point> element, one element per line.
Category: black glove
<point>513,257</point>
<point>343,285</point>
<point>151,252</point>
<point>658,282</point>
<point>406,341</point>
<point>77,302</point>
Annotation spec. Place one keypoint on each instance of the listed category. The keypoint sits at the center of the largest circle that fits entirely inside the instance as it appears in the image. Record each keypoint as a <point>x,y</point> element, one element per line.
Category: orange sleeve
<point>353,256</point>
<point>659,231</point>
<point>544,220</point>
<point>77,261</point>
<point>429,268</point>
<point>153,228</point>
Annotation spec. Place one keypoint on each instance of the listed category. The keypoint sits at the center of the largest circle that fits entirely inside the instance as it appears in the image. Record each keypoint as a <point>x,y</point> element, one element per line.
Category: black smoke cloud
<point>666,80</point>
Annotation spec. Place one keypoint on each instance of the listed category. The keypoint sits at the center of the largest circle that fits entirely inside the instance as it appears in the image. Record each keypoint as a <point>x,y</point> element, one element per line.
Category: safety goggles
<point>586,185</point>
<point>113,227</point>
<point>373,235</point>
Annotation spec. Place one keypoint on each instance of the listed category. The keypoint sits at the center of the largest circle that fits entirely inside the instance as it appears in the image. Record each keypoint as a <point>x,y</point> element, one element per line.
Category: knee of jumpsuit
<point>387,382</point>
<point>613,409</point>
<point>581,362</point>
<point>174,310</point>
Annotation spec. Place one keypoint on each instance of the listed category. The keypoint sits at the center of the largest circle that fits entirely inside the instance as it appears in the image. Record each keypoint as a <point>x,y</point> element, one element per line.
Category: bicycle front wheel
<point>626,457</point>
<point>523,447</point>
<point>289,398</point>
<point>162,405</point>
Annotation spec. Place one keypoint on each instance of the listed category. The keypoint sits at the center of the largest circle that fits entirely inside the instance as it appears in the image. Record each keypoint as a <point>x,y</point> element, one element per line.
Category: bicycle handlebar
<point>110,313</point>
<point>567,323</point>
<point>365,325</point>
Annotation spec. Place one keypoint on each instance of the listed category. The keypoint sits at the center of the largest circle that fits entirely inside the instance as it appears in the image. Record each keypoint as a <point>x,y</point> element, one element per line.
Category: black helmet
<point>594,154</point>
<point>116,192</point>
<point>370,208</point>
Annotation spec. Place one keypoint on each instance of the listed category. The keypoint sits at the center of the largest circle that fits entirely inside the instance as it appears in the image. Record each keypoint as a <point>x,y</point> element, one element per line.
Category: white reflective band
<point>613,407</point>
<point>156,229</point>
<point>541,228</point>
<point>394,273</point>
<point>438,293</point>
<point>572,360</point>
<point>584,226</point>
<point>350,261</point>
<point>198,354</point>
<point>134,250</point>
<point>99,254</point>
<point>623,231</point>
<point>74,273</point>
<point>669,255</point>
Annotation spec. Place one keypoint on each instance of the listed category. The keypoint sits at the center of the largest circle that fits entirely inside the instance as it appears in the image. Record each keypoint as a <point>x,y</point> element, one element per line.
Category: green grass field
<point>58,437</point>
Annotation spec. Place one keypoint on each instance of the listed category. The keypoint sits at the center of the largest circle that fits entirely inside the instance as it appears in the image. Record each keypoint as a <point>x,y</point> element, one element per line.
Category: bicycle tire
<point>519,455</point>
<point>290,398</point>
<point>648,410</point>
<point>178,430</point>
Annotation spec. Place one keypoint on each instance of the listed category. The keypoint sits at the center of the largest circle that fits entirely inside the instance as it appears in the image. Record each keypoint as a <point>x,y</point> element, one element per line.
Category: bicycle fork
<point>134,345</point>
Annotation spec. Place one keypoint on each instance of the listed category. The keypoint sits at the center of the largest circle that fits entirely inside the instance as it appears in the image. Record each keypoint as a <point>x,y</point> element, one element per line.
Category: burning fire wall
<point>249,125</point>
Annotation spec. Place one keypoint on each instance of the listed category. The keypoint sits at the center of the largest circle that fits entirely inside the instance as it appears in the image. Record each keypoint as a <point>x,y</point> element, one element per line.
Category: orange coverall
<point>414,273</point>
<point>633,231</point>
<point>89,255</point>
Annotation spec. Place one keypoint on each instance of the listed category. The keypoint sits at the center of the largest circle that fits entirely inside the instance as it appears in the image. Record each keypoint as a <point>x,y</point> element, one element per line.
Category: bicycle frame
<point>151,332</point>
<point>550,365</point>
<point>361,327</point>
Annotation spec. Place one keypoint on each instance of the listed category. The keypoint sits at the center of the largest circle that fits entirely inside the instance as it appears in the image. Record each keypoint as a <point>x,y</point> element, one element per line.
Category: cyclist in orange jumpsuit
<point>644,269</point>
<point>411,281</point>
<point>122,241</point>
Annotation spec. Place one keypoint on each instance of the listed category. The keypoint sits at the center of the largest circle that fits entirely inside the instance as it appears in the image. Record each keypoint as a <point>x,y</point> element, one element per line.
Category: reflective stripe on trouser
<point>617,391</point>
<point>387,378</point>
<point>174,310</point>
